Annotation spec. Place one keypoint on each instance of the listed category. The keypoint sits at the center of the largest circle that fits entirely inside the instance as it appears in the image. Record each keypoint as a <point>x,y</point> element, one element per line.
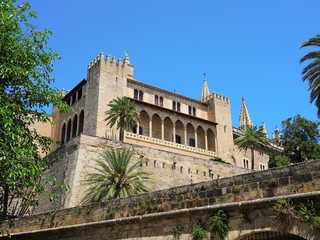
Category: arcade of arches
<point>177,130</point>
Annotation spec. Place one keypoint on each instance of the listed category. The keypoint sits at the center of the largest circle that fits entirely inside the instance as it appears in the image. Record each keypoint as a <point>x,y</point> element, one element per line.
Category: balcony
<point>173,145</point>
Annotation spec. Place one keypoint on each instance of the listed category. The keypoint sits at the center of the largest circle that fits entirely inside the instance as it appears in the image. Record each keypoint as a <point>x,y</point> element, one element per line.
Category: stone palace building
<point>177,135</point>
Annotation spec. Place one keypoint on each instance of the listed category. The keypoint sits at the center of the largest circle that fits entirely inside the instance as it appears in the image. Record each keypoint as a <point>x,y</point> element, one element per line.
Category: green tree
<point>115,177</point>
<point>300,139</point>
<point>278,161</point>
<point>311,72</point>
<point>123,113</point>
<point>25,67</point>
<point>252,138</point>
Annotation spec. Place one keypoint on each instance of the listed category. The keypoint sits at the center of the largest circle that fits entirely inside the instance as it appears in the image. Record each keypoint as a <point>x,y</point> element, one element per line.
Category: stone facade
<point>168,121</point>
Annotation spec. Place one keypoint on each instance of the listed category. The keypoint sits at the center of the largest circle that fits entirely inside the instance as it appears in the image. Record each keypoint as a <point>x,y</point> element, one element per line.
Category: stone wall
<point>167,168</point>
<point>254,192</point>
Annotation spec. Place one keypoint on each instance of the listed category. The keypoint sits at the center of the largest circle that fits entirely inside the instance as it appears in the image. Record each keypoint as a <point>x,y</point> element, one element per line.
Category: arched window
<point>178,107</point>
<point>245,163</point>
<point>63,133</point>
<point>161,101</point>
<point>194,111</point>
<point>156,100</point>
<point>173,105</point>
<point>69,130</point>
<point>141,95</point>
<point>190,110</point>
<point>74,126</point>
<point>81,121</point>
<point>135,94</point>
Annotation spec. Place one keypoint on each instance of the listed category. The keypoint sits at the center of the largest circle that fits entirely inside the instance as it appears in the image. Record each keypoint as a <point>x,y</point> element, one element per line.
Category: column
<point>150,128</point>
<point>196,139</point>
<point>138,128</point>
<point>185,136</point>
<point>206,140</point>
<point>174,133</point>
<point>162,130</point>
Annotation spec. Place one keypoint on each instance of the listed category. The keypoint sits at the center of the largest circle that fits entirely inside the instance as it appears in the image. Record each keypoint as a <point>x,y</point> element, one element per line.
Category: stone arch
<point>211,140</point>
<point>168,132</point>
<point>74,125</point>
<point>190,135</point>
<point>81,122</point>
<point>201,141</point>
<point>270,235</point>
<point>68,131</point>
<point>144,122</point>
<point>156,126</point>
<point>63,133</point>
<point>179,137</point>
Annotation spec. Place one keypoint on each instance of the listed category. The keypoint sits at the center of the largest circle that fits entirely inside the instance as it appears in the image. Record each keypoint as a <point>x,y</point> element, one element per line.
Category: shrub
<point>220,224</point>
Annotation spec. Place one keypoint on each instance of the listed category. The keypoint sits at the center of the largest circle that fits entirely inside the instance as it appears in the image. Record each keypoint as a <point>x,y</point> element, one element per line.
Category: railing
<point>169,144</point>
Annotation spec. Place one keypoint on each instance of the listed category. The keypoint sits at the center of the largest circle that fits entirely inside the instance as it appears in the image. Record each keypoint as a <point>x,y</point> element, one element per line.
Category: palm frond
<point>115,177</point>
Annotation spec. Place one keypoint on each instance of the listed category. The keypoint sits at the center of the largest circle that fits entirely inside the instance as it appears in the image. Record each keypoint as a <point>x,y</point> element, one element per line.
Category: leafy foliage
<point>220,224</point>
<point>252,138</point>
<point>220,160</point>
<point>177,230</point>
<point>115,177</point>
<point>198,231</point>
<point>311,72</point>
<point>284,210</point>
<point>25,67</point>
<point>300,139</point>
<point>122,113</point>
<point>278,160</point>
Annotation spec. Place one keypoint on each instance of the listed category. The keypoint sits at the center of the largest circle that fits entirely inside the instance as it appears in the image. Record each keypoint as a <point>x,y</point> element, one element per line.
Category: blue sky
<point>247,48</point>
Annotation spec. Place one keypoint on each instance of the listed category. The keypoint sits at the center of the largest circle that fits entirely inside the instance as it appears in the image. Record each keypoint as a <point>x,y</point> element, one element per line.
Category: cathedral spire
<point>245,119</point>
<point>205,90</point>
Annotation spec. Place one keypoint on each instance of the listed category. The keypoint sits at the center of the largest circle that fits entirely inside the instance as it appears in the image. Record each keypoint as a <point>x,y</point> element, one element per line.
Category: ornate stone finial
<point>264,128</point>
<point>245,119</point>
<point>205,93</point>
<point>126,53</point>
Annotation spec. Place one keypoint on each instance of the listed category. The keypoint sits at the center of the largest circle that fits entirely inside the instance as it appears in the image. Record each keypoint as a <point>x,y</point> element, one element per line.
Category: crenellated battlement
<point>218,96</point>
<point>112,65</point>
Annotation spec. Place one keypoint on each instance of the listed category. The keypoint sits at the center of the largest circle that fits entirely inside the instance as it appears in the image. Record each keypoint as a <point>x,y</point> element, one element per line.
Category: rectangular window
<point>141,95</point>
<point>74,98</point>
<point>79,93</point>
<point>190,110</point>
<point>135,94</point>
<point>161,101</point>
<point>192,142</point>
<point>156,100</point>
<point>173,105</point>
<point>178,139</point>
<point>194,111</point>
<point>178,106</point>
<point>245,163</point>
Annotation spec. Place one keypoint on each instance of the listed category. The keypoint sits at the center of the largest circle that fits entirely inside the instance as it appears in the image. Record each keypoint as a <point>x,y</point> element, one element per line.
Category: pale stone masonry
<point>177,136</point>
<point>168,121</point>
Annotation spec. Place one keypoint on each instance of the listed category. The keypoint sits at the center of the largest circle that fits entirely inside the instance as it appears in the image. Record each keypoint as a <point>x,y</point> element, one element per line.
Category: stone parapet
<point>278,182</point>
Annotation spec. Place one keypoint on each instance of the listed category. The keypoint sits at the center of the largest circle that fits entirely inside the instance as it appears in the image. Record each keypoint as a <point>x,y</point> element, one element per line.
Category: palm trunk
<point>121,134</point>
<point>252,158</point>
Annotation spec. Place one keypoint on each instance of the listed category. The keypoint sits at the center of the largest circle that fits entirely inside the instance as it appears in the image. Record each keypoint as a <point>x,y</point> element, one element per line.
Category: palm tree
<point>251,138</point>
<point>312,71</point>
<point>122,112</point>
<point>115,177</point>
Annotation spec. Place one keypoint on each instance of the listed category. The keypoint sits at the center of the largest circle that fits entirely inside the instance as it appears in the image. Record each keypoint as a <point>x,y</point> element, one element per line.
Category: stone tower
<point>219,112</point>
<point>106,80</point>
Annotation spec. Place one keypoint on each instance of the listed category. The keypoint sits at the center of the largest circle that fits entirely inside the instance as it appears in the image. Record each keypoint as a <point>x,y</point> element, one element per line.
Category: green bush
<point>198,231</point>
<point>220,224</point>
